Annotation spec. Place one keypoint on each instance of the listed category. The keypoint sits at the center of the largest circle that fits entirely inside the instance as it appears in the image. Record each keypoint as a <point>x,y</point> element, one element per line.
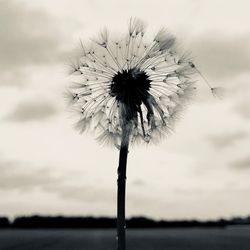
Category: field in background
<point>234,238</point>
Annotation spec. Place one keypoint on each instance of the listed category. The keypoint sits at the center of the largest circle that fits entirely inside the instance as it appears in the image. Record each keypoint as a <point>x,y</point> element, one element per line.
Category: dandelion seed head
<point>132,84</point>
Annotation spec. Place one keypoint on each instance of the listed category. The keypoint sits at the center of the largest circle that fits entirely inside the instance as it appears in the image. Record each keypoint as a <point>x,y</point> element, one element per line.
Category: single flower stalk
<point>130,90</point>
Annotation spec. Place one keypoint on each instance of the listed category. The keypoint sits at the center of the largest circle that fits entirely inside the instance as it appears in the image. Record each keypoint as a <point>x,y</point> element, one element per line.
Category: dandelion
<point>130,90</point>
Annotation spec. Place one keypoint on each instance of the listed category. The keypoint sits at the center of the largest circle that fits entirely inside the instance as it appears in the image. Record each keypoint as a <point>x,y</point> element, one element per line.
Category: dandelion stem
<point>141,118</point>
<point>121,191</point>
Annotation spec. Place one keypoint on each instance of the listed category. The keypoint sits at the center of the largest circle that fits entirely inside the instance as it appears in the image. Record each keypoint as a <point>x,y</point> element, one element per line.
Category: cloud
<point>27,37</point>
<point>18,79</point>
<point>82,192</point>
<point>20,176</point>
<point>243,108</point>
<point>15,175</point>
<point>138,183</point>
<point>243,164</point>
<point>222,56</point>
<point>32,111</point>
<point>226,140</point>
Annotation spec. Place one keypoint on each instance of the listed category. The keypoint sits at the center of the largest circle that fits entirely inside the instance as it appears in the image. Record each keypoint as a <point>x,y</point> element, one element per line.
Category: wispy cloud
<point>21,176</point>
<point>27,37</point>
<point>243,108</point>
<point>222,56</point>
<point>81,192</point>
<point>32,111</point>
<point>242,164</point>
<point>227,139</point>
<point>16,175</point>
<point>138,183</point>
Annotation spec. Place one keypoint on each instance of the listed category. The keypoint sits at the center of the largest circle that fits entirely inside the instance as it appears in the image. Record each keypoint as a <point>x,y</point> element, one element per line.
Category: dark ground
<point>231,238</point>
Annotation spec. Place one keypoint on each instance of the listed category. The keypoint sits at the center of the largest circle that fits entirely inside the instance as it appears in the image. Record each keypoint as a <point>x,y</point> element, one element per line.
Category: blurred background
<point>200,171</point>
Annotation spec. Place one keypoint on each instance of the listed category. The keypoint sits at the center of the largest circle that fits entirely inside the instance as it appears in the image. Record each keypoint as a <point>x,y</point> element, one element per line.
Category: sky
<point>200,171</point>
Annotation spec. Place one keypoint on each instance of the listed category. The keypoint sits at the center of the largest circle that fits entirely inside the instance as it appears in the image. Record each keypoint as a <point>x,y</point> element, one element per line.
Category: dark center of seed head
<point>130,87</point>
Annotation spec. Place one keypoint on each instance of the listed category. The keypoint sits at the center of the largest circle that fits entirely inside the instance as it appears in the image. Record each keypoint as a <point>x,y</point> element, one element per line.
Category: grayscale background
<point>200,171</point>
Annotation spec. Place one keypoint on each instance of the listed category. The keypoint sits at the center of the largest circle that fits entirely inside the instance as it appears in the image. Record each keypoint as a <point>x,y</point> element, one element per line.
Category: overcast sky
<point>200,171</point>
